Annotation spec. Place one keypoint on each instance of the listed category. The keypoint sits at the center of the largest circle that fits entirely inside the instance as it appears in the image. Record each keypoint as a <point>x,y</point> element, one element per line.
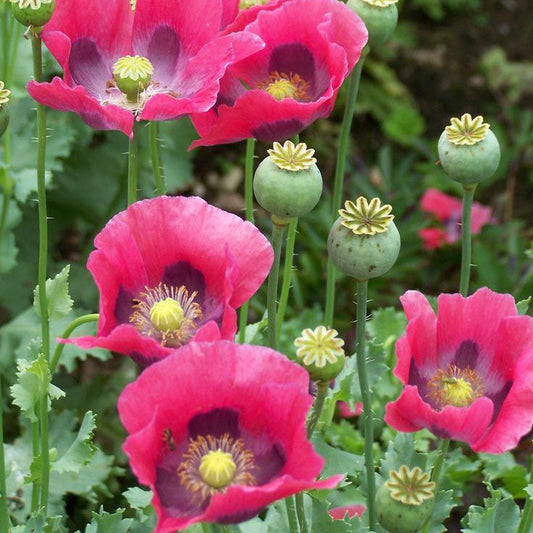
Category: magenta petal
<point>475,318</point>
<point>410,413</point>
<point>58,95</point>
<point>442,205</point>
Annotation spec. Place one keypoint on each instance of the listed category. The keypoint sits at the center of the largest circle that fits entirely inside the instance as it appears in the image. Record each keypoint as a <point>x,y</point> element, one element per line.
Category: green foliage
<point>58,299</point>
<point>34,382</point>
<point>498,514</point>
<point>337,461</point>
<point>103,522</point>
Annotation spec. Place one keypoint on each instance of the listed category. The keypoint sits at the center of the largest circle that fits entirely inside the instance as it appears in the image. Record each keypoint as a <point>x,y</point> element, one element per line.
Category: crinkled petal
<point>58,95</point>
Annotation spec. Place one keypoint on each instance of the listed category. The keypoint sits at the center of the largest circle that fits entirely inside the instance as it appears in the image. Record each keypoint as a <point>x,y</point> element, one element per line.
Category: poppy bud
<point>380,18</point>
<point>288,183</point>
<point>364,242</point>
<point>4,108</point>
<point>468,150</point>
<point>405,501</point>
<point>34,13</point>
<point>320,352</point>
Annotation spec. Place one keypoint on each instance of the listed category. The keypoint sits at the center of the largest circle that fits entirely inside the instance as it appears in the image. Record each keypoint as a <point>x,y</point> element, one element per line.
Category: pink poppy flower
<point>349,511</point>
<point>180,38</point>
<point>467,372</point>
<point>217,431</point>
<point>448,210</point>
<point>310,48</point>
<point>171,270</point>
<point>345,412</point>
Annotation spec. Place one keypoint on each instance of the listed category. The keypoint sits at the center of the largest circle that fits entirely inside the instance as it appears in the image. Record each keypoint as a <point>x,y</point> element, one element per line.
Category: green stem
<point>300,512</point>
<point>249,203</point>
<point>361,299</point>
<point>205,527</point>
<point>4,514</point>
<point>292,515</point>
<point>466,238</point>
<point>351,98</point>
<point>36,451</point>
<point>66,334</point>
<point>272,289</point>
<point>43,255</point>
<point>318,404</point>
<point>526,521</point>
<point>155,153</point>
<point>133,165</point>
<point>287,272</point>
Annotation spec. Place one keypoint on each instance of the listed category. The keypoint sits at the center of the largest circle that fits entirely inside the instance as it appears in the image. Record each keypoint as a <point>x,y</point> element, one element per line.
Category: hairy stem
<point>155,153</point>
<point>272,289</point>
<point>133,165</point>
<point>466,238</point>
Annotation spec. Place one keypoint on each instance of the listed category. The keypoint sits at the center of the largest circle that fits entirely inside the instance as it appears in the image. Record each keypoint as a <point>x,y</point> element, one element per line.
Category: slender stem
<point>36,451</point>
<point>133,164</point>
<point>43,255</point>
<point>437,467</point>
<point>155,153</point>
<point>318,404</point>
<point>205,527</point>
<point>466,238</point>
<point>300,511</point>
<point>66,334</point>
<point>6,194</point>
<point>353,89</point>
<point>361,299</point>
<point>272,289</point>
<point>292,515</point>
<point>249,202</point>
<point>526,522</point>
<point>287,272</point>
<point>4,514</point>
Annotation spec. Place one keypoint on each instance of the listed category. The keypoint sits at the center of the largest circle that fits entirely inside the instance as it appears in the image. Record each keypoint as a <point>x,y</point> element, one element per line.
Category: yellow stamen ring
<point>281,86</point>
<point>455,386</point>
<point>168,314</point>
<point>211,464</point>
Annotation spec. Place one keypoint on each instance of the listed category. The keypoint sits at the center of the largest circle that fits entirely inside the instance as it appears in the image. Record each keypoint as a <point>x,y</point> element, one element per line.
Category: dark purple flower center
<point>216,453</point>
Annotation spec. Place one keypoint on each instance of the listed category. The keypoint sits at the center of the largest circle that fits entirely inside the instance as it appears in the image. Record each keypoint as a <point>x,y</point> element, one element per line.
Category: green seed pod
<point>380,18</point>
<point>288,183</point>
<point>34,13</point>
<point>469,151</point>
<point>404,503</point>
<point>364,243</point>
<point>320,352</point>
<point>4,108</point>
<point>132,75</point>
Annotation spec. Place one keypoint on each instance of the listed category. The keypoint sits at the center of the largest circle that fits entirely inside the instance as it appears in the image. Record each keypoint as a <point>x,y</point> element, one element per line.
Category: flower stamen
<point>455,386</point>
<point>281,86</point>
<point>211,464</point>
<point>168,314</point>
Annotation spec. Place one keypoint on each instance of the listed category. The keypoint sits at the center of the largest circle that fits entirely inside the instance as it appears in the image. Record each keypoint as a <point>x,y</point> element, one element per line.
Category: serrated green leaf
<point>444,503</point>
<point>58,299</point>
<point>109,523</point>
<point>503,516</point>
<point>400,452</point>
<point>529,491</point>
<point>337,461</point>
<point>387,325</point>
<point>81,450</point>
<point>321,521</point>
<point>138,498</point>
<point>34,381</point>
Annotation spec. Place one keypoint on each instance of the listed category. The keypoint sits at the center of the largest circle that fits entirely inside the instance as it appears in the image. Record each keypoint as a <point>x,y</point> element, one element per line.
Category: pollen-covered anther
<point>4,94</point>
<point>466,130</point>
<point>168,314</point>
<point>411,487</point>
<point>210,464</point>
<point>281,86</point>
<point>290,157</point>
<point>319,346</point>
<point>455,386</point>
<point>33,4</point>
<point>366,218</point>
<point>381,3</point>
